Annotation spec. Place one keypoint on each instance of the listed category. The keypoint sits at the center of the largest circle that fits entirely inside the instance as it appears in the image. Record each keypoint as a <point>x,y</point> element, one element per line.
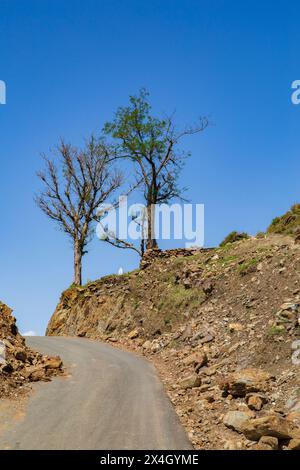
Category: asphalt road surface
<point>109,400</point>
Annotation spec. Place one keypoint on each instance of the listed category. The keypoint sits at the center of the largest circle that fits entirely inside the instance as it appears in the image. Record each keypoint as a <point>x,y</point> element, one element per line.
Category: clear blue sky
<point>69,64</point>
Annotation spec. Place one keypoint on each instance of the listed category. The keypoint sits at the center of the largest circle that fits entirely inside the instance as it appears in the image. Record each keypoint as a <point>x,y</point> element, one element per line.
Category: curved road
<point>110,400</point>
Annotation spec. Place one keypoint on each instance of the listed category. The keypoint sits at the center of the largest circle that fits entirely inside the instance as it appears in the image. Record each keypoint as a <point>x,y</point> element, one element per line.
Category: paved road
<point>111,400</point>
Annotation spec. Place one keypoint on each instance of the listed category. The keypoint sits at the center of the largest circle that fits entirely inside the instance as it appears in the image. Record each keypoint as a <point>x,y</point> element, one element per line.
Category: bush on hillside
<point>288,223</point>
<point>233,237</point>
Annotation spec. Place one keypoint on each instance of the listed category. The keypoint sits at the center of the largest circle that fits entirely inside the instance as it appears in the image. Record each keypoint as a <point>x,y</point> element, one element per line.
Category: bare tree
<point>76,181</point>
<point>152,144</point>
<point>139,218</point>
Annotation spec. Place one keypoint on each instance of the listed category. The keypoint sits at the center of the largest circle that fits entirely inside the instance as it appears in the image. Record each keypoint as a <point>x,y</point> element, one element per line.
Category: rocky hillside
<point>220,325</point>
<point>288,223</point>
<point>19,365</point>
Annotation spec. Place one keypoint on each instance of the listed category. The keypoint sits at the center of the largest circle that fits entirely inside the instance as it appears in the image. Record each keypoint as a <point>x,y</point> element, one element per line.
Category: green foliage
<point>248,266</point>
<point>275,330</point>
<point>152,144</point>
<point>228,260</point>
<point>149,142</point>
<point>233,237</point>
<point>177,297</point>
<point>288,223</point>
<point>260,235</point>
<point>139,133</point>
<point>72,286</point>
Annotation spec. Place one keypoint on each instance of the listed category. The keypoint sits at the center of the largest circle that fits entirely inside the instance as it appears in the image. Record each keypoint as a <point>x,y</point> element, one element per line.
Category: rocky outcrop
<point>270,425</point>
<point>155,254</point>
<point>288,223</point>
<point>19,365</point>
<point>245,381</point>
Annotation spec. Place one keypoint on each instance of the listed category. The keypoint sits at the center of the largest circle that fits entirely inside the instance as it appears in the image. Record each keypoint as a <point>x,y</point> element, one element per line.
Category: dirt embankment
<point>19,365</point>
<point>220,325</point>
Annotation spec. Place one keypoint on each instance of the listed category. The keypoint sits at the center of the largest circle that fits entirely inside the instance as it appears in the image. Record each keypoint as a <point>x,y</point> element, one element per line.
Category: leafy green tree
<point>152,144</point>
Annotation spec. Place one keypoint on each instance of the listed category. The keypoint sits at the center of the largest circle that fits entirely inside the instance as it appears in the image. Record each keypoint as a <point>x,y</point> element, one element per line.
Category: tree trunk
<point>151,241</point>
<point>77,264</point>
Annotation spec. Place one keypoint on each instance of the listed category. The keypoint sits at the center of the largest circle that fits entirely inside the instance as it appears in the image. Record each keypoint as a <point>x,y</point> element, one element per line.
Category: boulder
<point>190,382</point>
<point>240,383</point>
<point>293,401</point>
<point>147,345</point>
<point>37,375</point>
<point>156,346</point>
<point>235,327</point>
<point>256,401</point>
<point>236,419</point>
<point>53,362</point>
<point>269,441</point>
<point>266,443</point>
<point>133,334</point>
<point>232,445</point>
<point>81,334</point>
<point>208,287</point>
<point>269,425</point>
<point>198,360</point>
<point>207,339</point>
<point>21,355</point>
<point>294,444</point>
<point>290,306</point>
<point>294,417</point>
<point>7,367</point>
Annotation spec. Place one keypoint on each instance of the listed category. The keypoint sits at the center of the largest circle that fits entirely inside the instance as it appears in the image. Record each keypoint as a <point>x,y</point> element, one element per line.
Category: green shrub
<point>260,235</point>
<point>233,237</point>
<point>288,223</point>
<point>275,330</point>
<point>248,266</point>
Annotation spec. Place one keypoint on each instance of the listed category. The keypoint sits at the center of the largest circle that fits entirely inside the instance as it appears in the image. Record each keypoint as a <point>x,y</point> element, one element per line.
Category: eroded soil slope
<point>220,326</point>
